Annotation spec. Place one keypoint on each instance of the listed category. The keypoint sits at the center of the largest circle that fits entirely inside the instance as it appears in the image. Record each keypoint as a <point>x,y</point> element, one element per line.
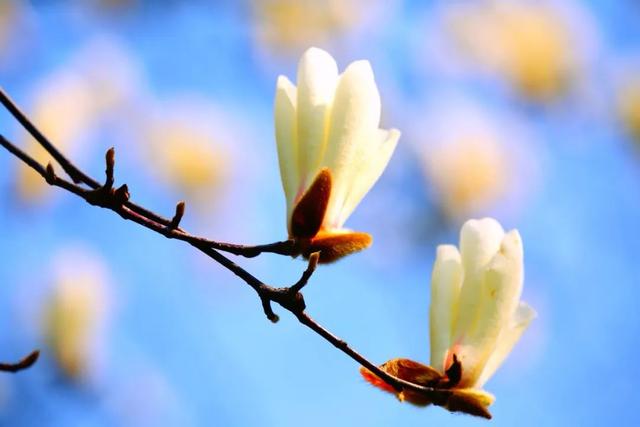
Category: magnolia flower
<point>476,318</point>
<point>330,150</point>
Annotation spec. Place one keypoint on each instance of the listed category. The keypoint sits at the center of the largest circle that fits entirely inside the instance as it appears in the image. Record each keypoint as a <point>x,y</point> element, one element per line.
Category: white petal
<point>509,336</point>
<point>479,242</point>
<point>365,173</point>
<point>317,78</point>
<point>497,301</point>
<point>355,116</point>
<point>446,281</point>
<point>285,118</point>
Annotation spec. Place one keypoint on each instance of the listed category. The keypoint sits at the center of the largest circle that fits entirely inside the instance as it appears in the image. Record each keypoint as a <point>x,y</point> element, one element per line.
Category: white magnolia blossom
<point>476,312</point>
<point>330,122</point>
<point>476,317</point>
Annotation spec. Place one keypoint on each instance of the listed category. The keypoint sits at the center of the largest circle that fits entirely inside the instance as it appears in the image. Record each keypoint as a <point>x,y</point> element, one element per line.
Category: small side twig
<point>23,364</point>
<point>268,310</point>
<point>177,217</point>
<point>306,275</point>
<point>110,160</point>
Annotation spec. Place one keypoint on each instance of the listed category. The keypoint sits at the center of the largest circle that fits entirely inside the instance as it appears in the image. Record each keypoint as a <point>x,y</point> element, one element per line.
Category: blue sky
<point>187,344</point>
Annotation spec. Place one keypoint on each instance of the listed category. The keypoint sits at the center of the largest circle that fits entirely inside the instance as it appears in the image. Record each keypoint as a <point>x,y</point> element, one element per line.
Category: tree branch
<point>286,247</point>
<point>289,298</point>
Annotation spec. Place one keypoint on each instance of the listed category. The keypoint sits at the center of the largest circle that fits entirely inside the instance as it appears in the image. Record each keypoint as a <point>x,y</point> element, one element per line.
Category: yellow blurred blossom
<point>534,45</point>
<point>331,150</point>
<point>61,111</point>
<point>288,27</point>
<point>476,317</point>
<point>473,159</point>
<point>109,5</point>
<point>629,107</point>
<point>468,173</point>
<point>75,312</point>
<point>188,145</point>
<point>294,24</point>
<point>10,14</point>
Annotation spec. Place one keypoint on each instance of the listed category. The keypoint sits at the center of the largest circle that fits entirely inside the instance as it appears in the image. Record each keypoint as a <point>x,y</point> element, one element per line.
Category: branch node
<point>51,174</point>
<point>175,221</point>
<point>122,195</point>
<point>110,160</point>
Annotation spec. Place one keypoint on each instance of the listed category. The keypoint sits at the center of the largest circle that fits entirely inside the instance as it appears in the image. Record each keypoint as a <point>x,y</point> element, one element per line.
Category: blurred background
<point>528,111</point>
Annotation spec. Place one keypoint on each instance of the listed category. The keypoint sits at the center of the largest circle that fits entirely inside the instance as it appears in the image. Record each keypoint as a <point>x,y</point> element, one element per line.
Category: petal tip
<point>317,56</point>
<point>395,133</point>
<point>481,224</point>
<point>283,82</point>
<point>447,252</point>
<point>361,65</point>
<point>315,51</point>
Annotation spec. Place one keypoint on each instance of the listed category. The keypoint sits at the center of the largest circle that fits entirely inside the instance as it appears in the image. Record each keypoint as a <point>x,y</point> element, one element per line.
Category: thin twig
<point>286,247</point>
<point>25,363</point>
<point>397,383</point>
<point>31,162</point>
<point>289,298</point>
<point>74,173</point>
<point>177,217</point>
<point>306,275</point>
